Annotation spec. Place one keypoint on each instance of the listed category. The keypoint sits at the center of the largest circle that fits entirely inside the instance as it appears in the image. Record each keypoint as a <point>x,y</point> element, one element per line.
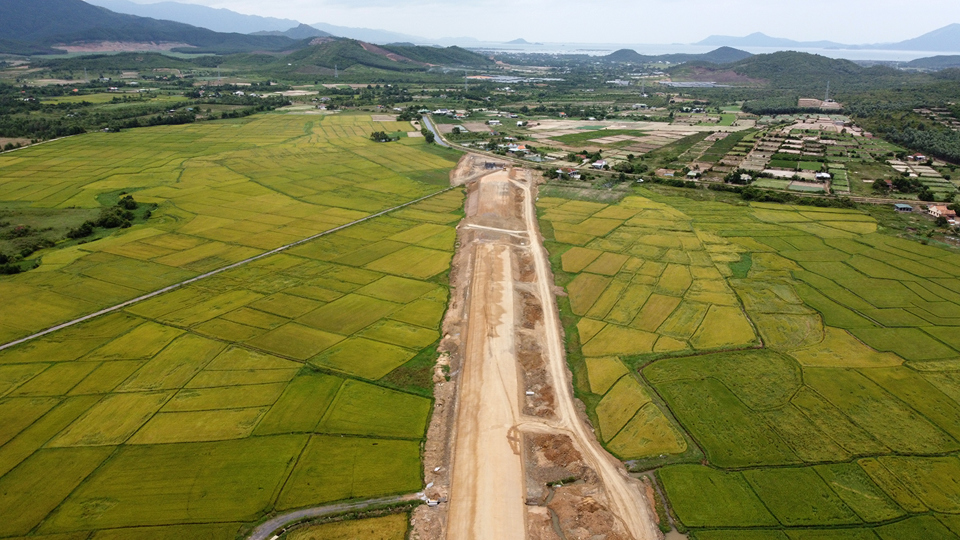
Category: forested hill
<point>800,72</point>
<point>40,24</point>
<point>327,54</point>
<point>723,55</point>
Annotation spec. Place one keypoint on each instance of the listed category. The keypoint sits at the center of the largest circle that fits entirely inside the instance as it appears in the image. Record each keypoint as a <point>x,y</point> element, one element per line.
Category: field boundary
<point>211,273</point>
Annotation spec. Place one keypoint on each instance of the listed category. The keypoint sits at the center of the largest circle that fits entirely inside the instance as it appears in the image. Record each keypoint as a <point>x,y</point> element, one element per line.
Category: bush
<point>82,231</point>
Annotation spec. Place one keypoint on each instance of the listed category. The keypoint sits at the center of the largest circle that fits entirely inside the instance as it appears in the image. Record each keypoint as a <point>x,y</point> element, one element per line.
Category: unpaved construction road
<point>508,292</point>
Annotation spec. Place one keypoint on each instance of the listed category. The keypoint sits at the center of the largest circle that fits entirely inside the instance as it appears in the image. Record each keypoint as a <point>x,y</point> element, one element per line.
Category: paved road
<point>212,273</point>
<point>436,133</point>
<point>272,527</point>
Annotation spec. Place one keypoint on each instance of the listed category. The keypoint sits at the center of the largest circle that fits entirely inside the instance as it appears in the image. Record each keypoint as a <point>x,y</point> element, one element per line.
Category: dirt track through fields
<point>489,484</point>
<point>487,501</point>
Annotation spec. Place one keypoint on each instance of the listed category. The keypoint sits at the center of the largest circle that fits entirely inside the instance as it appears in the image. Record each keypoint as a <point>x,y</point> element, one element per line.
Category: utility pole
<point>336,71</point>
<point>85,78</point>
<point>827,97</point>
<point>464,81</point>
<point>218,75</point>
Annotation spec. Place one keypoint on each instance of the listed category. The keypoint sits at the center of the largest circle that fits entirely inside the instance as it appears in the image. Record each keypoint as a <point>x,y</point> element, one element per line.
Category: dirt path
<point>499,325</point>
<point>623,492</point>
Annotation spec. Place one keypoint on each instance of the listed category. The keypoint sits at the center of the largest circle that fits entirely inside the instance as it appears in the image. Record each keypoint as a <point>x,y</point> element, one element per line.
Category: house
<point>493,122</point>
<point>693,175</point>
<point>599,164</point>
<point>563,114</point>
<point>572,174</point>
<point>899,207</point>
<point>917,157</point>
<point>823,177</point>
<point>666,173</point>
<point>939,210</point>
<point>640,106</point>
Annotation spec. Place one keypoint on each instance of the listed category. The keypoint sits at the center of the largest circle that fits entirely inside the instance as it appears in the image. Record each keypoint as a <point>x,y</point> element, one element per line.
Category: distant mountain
<point>224,20</point>
<point>519,41</point>
<point>53,22</point>
<point>758,39</point>
<point>935,62</point>
<point>723,55</point>
<point>946,39</point>
<point>218,20</point>
<point>369,35</point>
<point>303,31</point>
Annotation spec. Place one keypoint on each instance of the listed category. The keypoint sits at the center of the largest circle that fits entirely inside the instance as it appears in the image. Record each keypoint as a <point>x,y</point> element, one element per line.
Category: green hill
<point>723,55</point>
<point>801,72</point>
<point>326,54</point>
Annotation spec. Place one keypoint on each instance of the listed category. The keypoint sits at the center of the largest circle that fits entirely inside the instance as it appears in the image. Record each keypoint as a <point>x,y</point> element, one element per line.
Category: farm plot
<point>225,191</point>
<point>289,382</point>
<point>831,414</point>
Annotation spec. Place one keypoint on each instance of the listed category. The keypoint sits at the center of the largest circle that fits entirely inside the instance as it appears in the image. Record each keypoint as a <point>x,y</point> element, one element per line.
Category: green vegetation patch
<point>704,497</point>
<point>337,468</point>
<point>365,409</point>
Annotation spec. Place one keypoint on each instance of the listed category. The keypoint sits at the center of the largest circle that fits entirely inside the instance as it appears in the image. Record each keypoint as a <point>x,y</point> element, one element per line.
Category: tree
<point>926,195</point>
<point>880,186</point>
<point>942,221</point>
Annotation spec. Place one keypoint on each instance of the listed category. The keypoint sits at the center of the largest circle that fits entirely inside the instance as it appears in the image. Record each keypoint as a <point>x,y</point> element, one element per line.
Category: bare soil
<point>506,426</point>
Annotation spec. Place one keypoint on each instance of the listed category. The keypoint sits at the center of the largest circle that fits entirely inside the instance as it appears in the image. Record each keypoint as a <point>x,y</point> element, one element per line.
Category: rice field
<point>790,371</point>
<point>226,191</point>
<point>199,411</point>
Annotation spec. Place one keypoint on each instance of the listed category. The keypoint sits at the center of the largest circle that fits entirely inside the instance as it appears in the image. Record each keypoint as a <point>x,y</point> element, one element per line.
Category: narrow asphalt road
<point>273,526</point>
<point>436,134</point>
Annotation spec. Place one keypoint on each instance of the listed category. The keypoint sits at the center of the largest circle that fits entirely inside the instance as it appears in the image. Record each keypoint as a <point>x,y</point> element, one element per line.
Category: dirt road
<point>623,491</point>
<point>506,267</point>
<point>488,491</point>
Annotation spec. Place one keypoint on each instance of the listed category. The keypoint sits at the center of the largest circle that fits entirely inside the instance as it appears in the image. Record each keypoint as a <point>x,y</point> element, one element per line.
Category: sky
<point>618,21</point>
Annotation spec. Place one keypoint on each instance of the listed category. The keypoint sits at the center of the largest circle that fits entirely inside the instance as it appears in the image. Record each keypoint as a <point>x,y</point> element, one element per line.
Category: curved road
<point>436,134</point>
<point>272,527</point>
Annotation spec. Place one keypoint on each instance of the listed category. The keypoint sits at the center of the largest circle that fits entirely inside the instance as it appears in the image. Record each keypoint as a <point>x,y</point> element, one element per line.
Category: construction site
<point>510,453</point>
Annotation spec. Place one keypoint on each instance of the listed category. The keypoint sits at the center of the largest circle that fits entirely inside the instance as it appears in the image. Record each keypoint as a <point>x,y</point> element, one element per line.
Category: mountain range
<point>224,20</point>
<point>51,23</point>
<point>218,20</point>
<point>946,39</point>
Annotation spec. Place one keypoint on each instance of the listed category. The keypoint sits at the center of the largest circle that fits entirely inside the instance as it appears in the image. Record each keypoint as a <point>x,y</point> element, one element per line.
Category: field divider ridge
<point>211,273</point>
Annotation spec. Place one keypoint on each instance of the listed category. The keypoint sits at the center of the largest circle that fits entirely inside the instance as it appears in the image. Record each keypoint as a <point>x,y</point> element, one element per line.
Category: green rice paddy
<point>269,387</point>
<point>802,366</point>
